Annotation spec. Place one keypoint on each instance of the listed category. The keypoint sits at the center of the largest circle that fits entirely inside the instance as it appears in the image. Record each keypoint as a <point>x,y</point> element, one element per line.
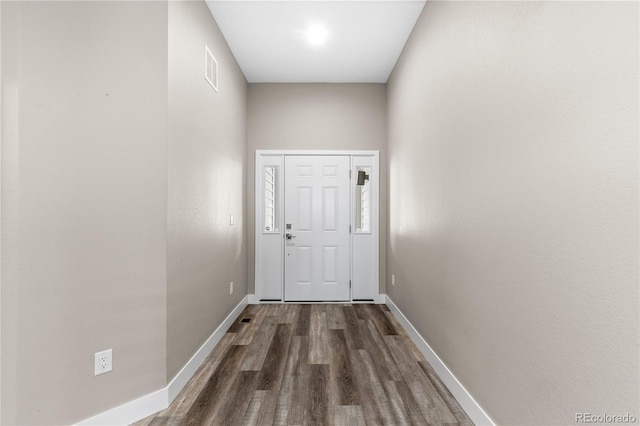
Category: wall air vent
<point>210,68</point>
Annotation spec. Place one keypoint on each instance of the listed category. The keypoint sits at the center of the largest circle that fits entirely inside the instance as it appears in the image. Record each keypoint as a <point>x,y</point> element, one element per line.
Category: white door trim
<point>269,245</point>
<point>260,152</point>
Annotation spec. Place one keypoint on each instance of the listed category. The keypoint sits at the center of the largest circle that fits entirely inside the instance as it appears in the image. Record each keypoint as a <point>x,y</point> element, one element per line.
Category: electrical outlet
<point>103,362</point>
<point>231,219</point>
<point>393,280</point>
<point>231,287</point>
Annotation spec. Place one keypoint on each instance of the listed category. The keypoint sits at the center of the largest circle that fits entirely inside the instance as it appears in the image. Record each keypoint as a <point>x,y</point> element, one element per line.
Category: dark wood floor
<point>314,365</point>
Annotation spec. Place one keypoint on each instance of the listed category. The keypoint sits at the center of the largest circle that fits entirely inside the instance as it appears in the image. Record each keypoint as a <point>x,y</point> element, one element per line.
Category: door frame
<point>269,245</point>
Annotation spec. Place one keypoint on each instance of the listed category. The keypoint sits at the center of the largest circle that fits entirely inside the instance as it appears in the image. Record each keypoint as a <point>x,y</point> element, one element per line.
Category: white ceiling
<point>268,38</point>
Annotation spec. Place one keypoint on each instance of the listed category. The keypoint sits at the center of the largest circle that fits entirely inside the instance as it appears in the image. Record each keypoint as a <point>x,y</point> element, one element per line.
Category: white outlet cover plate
<point>103,362</point>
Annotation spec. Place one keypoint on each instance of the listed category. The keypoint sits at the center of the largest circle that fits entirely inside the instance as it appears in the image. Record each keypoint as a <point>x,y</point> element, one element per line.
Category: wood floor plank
<point>349,415</point>
<point>260,345</point>
<point>365,390</point>
<point>218,384</point>
<point>157,420</point>
<point>442,390</point>
<point>273,365</point>
<point>291,364</point>
<point>246,334</point>
<point>415,352</point>
<point>381,347</point>
<point>267,412</point>
<point>146,421</point>
<point>343,387</point>
<point>318,337</point>
<point>432,406</point>
<point>360,310</point>
<point>401,411</point>
<point>238,323</point>
<point>316,412</point>
<point>304,320</point>
<point>379,395</point>
<point>192,389</point>
<point>286,387</point>
<point>235,401</point>
<point>385,327</point>
<point>194,386</point>
<point>301,379</point>
<point>335,317</point>
<point>290,314</point>
<point>409,403</point>
<point>254,309</point>
<point>251,414</point>
<point>351,327</point>
<point>275,309</point>
<point>372,342</point>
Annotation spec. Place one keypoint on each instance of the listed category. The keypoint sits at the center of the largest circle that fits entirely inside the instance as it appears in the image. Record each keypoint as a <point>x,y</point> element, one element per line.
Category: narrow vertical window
<point>210,68</point>
<point>363,200</point>
<point>270,198</point>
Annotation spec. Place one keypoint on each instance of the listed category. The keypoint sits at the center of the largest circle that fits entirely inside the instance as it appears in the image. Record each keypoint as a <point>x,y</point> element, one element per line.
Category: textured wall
<point>513,227</point>
<point>315,117</point>
<point>83,206</point>
<point>207,149</point>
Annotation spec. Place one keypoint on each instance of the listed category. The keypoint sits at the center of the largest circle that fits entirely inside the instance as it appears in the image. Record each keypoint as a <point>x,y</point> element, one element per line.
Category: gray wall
<point>84,189</point>
<point>513,225</point>
<point>120,167</point>
<point>207,149</point>
<point>315,117</point>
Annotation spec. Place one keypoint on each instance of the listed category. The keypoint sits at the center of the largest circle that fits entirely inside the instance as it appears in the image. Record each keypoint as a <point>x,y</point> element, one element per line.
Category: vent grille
<point>210,68</point>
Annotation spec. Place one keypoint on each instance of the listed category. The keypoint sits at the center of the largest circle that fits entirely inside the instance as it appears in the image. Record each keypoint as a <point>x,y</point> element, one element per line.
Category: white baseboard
<point>464,398</point>
<point>146,405</point>
<point>131,411</point>
<point>253,300</point>
<point>190,368</point>
<point>382,299</point>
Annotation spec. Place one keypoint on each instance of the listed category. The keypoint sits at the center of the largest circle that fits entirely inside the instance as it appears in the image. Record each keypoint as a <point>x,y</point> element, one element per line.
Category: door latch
<point>289,236</point>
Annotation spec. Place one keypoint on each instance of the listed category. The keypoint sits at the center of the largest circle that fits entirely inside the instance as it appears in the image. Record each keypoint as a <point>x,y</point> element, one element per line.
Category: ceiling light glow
<point>317,35</point>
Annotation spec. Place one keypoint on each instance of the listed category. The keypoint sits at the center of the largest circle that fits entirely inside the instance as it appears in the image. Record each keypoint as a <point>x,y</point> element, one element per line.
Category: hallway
<point>504,236</point>
<point>314,364</point>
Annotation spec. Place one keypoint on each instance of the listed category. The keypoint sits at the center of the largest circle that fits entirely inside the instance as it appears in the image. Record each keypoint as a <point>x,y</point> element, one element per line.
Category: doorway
<point>316,216</point>
<point>316,226</point>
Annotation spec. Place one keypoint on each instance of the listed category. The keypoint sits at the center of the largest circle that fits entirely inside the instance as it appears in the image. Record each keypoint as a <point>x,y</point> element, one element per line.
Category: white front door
<point>316,217</point>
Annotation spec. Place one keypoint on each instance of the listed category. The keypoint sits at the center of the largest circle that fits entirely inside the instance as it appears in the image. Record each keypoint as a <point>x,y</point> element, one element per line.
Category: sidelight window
<point>270,199</point>
<point>363,200</point>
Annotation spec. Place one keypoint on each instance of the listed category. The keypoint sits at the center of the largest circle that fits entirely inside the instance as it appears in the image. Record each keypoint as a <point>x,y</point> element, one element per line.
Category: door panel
<point>317,209</point>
